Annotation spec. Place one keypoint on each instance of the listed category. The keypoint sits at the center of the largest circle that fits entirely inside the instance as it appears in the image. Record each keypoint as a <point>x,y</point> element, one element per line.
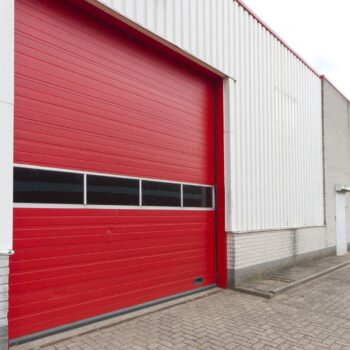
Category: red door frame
<point>107,17</point>
<point>221,256</point>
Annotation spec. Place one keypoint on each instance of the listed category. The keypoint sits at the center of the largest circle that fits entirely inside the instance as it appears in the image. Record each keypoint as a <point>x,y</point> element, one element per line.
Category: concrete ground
<point>272,284</point>
<point>313,316</point>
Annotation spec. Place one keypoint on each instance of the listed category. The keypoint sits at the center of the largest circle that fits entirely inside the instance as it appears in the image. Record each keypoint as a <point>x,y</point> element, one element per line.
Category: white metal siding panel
<point>200,27</point>
<point>277,136</point>
<point>6,120</point>
<point>275,172</point>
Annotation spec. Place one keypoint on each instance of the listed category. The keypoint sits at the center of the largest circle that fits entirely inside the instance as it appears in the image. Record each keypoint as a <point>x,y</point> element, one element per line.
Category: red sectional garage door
<point>92,100</point>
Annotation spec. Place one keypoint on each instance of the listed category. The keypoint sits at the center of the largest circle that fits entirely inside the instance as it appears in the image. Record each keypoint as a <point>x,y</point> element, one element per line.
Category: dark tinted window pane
<point>44,186</point>
<point>161,194</point>
<point>197,196</point>
<point>106,190</point>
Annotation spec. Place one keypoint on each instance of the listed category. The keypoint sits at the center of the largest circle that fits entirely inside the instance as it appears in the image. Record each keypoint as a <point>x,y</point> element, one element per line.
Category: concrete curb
<point>280,290</point>
<point>255,292</point>
<point>310,278</point>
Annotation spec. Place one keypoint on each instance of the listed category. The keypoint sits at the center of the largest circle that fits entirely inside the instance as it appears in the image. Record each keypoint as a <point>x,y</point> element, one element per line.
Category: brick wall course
<point>4,271</point>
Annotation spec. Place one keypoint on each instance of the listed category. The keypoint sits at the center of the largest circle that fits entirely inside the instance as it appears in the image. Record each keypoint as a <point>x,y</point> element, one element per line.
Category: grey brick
<point>3,296</point>
<point>4,271</point>
<point>4,262</point>
<point>3,344</point>
<point>4,288</point>
<point>3,332</point>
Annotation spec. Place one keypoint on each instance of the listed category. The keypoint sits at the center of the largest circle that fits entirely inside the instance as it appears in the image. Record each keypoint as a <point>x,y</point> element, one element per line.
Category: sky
<point>318,30</point>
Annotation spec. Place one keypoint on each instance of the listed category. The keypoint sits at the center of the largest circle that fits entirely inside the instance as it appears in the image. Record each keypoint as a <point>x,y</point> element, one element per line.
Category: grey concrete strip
<point>255,292</point>
<point>280,290</point>
<point>302,281</point>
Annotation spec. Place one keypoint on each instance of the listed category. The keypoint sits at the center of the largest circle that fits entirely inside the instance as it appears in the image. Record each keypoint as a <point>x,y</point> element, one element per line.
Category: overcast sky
<point>318,30</point>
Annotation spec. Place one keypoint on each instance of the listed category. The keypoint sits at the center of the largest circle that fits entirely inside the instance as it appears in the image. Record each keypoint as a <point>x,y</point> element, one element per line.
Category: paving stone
<point>315,316</point>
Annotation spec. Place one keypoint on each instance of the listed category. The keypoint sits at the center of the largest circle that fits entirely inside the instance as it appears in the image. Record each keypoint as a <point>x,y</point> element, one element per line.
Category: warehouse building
<point>151,149</point>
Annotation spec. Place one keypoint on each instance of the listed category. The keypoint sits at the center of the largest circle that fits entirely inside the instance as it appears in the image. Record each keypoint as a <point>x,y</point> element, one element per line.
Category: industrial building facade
<point>151,149</point>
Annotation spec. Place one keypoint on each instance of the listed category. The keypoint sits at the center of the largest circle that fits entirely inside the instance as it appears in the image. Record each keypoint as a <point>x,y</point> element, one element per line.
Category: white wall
<point>273,130</point>
<point>196,26</point>
<point>337,153</point>
<point>4,273</point>
<point>6,120</point>
<point>276,169</point>
<point>348,215</point>
<point>257,248</point>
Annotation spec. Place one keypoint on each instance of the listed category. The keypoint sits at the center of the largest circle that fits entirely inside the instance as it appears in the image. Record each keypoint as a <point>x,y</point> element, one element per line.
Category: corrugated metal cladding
<point>274,126</point>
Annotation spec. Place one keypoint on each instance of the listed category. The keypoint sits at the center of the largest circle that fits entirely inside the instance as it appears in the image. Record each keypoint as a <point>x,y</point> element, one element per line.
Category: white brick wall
<point>4,272</point>
<point>256,248</point>
<point>249,249</point>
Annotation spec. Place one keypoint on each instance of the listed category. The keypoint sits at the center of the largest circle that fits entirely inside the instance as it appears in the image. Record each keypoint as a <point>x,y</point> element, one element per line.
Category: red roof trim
<point>253,14</point>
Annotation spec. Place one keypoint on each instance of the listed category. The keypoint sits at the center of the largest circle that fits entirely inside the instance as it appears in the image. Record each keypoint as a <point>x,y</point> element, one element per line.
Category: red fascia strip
<point>253,14</point>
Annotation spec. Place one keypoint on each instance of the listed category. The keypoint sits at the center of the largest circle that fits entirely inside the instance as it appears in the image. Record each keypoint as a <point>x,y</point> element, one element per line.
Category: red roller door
<point>91,98</point>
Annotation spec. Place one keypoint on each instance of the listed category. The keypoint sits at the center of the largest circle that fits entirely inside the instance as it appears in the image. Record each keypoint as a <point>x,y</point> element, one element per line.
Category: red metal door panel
<point>91,98</point>
<point>88,97</point>
<point>57,262</point>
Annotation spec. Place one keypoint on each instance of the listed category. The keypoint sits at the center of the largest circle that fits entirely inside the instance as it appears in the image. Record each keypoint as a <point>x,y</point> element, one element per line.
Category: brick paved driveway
<point>315,316</point>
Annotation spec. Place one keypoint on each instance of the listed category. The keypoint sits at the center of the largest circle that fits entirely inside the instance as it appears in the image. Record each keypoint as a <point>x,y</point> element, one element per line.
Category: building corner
<point>7,10</point>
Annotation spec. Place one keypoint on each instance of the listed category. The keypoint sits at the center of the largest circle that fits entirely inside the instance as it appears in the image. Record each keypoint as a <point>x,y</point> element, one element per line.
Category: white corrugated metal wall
<point>197,26</point>
<point>276,130</point>
<point>6,129</point>
<point>273,126</point>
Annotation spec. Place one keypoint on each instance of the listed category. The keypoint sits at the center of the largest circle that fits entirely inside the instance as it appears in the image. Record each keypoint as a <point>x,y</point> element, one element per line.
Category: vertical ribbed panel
<point>276,170</point>
<point>200,27</point>
<point>275,114</point>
